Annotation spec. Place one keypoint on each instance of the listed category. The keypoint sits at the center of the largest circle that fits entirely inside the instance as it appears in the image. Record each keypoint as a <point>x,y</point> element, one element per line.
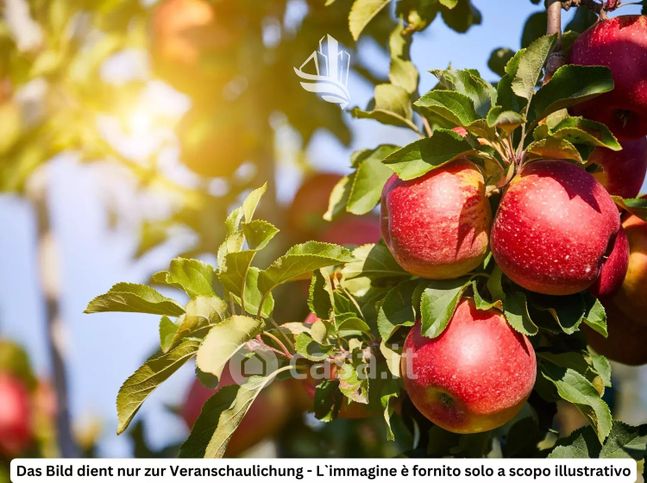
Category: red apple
<point>631,299</point>
<point>614,268</point>
<point>554,227</point>
<point>626,339</point>
<point>265,417</point>
<point>619,43</point>
<point>15,416</point>
<point>623,172</point>
<point>436,226</point>
<point>475,376</point>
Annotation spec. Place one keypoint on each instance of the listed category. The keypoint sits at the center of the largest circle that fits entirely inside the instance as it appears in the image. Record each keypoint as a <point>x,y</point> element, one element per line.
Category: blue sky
<point>93,256</point>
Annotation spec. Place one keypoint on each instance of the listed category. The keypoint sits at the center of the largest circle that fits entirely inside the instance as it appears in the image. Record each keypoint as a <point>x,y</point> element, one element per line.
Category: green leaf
<point>320,294</point>
<point>515,308</point>
<point>402,71</point>
<point>391,105</point>
<point>350,325</point>
<point>578,130</point>
<point>450,106</point>
<point>396,310</point>
<point>167,330</point>
<point>369,179</point>
<point>301,260</point>
<point>625,441</point>
<point>438,303</point>
<point>233,272</point>
<point>635,206</point>
<point>573,387</point>
<point>151,374</point>
<point>339,198</point>
<point>327,400</point>
<point>420,157</point>
<point>571,311</point>
<point>595,315</point>
<point>224,340</point>
<point>374,262</point>
<point>481,303</point>
<point>251,202</point>
<point>132,297</point>
<point>468,82</point>
<point>353,382</point>
<point>462,16</point>
<point>553,148</point>
<point>362,12</point>
<point>582,443</point>
<point>221,415</point>
<point>389,393</point>
<point>253,296</point>
<point>506,120</point>
<point>258,233</point>
<point>529,67</point>
<point>195,277</point>
<point>310,349</point>
<point>570,85</point>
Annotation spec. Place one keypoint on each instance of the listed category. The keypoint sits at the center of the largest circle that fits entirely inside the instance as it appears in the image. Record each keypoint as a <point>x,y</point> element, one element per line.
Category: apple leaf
<point>402,71</point>
<point>310,349</point>
<point>327,400</point>
<point>578,130</point>
<point>223,341</point>
<point>353,380</point>
<point>468,82</point>
<point>515,307</point>
<point>258,233</point>
<point>424,155</point>
<point>595,315</point>
<point>167,330</point>
<point>339,198</point>
<point>450,106</point>
<point>570,85</point>
<point>132,297</point>
<point>553,148</point>
<point>195,277</point>
<point>221,415</point>
<point>527,71</point>
<point>625,441</point>
<point>361,13</point>
<point>320,294</point>
<point>582,443</point>
<point>438,303</point>
<point>151,374</point>
<point>396,310</point>
<point>635,206</point>
<point>300,261</point>
<point>481,303</point>
<point>506,120</point>
<point>201,313</point>
<point>389,393</point>
<point>391,105</point>
<point>462,16</point>
<point>374,262</point>
<point>369,179</point>
<point>573,387</point>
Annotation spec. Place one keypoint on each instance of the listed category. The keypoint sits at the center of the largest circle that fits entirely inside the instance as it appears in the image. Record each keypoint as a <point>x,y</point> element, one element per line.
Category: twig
<point>554,27</point>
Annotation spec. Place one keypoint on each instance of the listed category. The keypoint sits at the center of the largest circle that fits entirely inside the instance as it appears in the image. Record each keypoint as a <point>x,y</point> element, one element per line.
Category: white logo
<point>331,64</point>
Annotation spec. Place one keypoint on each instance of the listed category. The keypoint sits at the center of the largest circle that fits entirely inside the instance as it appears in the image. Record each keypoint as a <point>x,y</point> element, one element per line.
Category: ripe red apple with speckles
<point>554,228</point>
<point>623,172</point>
<point>619,43</point>
<point>475,376</point>
<point>15,416</point>
<point>436,226</point>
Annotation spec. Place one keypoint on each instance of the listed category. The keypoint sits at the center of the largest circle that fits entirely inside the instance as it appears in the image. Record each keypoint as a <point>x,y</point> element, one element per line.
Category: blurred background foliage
<point>196,101</point>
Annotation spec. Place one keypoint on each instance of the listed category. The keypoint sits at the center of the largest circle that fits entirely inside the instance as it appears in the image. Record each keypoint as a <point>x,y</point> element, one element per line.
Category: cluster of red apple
<point>557,231</point>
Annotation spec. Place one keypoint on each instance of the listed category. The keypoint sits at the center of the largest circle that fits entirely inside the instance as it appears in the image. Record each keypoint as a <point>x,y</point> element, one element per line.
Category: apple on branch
<point>437,226</point>
<point>475,376</point>
<point>554,229</point>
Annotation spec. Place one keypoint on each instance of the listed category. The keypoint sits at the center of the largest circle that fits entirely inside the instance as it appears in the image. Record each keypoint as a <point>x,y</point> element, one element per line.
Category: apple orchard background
<point>93,251</point>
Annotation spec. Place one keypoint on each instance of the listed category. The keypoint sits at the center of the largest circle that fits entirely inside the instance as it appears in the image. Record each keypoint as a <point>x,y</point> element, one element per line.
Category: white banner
<point>323,470</point>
